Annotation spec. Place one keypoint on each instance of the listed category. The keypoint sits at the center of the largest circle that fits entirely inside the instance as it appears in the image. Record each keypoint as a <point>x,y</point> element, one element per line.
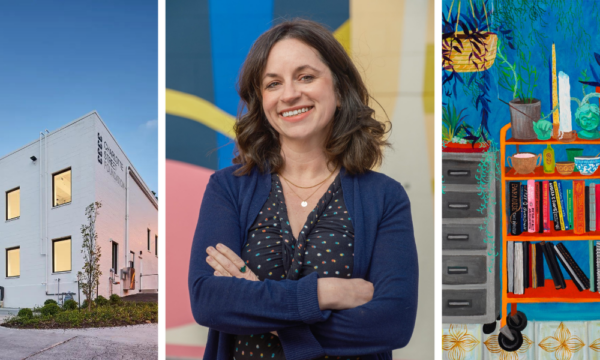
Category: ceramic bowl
<point>565,167</point>
<point>587,165</point>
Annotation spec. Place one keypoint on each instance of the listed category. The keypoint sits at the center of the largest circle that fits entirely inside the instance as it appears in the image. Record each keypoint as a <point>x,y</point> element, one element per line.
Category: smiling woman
<point>310,253</point>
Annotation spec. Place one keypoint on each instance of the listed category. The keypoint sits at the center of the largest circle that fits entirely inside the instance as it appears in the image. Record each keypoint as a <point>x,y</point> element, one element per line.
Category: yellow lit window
<point>61,255</point>
<point>13,204</point>
<point>13,262</point>
<point>61,188</point>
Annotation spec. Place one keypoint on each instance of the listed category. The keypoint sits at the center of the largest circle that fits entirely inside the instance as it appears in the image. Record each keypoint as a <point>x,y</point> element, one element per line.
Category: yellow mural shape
<point>195,108</point>
<point>342,34</point>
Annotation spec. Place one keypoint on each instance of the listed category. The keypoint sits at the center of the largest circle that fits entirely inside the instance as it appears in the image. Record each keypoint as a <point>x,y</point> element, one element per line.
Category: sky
<point>58,63</point>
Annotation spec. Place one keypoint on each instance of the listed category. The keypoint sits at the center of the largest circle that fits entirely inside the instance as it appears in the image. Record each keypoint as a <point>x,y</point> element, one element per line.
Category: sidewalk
<point>130,342</point>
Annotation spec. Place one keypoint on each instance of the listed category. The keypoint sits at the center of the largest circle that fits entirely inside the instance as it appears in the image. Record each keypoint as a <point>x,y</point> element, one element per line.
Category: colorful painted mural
<point>207,41</point>
<point>520,82</point>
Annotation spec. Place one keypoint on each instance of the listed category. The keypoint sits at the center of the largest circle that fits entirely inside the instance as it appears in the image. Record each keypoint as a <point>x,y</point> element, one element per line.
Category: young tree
<point>90,277</point>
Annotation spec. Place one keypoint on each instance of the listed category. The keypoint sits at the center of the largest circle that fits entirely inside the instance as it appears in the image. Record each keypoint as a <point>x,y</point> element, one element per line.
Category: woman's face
<point>299,98</point>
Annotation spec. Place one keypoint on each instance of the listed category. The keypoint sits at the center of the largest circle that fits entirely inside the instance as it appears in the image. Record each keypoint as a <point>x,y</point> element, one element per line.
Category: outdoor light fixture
<point>33,158</point>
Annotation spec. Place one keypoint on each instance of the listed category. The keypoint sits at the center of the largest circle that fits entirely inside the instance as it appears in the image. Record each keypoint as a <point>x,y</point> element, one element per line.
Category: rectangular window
<point>13,262</point>
<point>61,188</point>
<point>156,245</point>
<point>149,240</point>
<point>13,204</point>
<point>115,256</point>
<point>61,255</point>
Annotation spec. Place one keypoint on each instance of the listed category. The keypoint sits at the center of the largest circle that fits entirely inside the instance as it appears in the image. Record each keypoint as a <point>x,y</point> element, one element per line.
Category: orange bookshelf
<point>548,293</point>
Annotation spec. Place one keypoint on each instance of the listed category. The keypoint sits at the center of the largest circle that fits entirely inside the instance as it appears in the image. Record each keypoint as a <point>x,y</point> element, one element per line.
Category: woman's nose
<point>290,93</point>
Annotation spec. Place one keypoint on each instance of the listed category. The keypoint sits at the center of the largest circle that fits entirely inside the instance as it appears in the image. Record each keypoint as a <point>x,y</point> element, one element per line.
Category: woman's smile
<point>296,114</point>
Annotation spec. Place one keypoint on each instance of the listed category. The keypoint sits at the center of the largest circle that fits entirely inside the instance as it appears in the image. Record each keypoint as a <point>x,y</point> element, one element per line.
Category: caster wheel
<point>517,322</point>
<point>489,328</point>
<point>511,345</point>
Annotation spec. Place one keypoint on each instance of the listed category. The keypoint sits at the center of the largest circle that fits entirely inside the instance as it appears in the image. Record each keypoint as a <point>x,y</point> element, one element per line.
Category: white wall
<point>73,146</point>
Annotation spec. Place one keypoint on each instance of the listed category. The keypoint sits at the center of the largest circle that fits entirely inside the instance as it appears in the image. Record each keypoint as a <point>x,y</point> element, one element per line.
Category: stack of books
<point>542,206</point>
<point>526,266</point>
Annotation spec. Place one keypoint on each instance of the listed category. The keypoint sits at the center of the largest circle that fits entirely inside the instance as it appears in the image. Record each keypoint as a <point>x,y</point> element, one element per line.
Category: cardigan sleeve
<point>239,306</point>
<point>387,321</point>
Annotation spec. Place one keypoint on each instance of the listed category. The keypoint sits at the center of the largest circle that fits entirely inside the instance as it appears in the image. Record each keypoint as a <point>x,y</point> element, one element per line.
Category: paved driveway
<point>130,342</point>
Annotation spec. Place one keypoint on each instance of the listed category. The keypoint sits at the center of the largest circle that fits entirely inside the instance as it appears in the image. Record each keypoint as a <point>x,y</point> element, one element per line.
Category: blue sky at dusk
<point>62,60</point>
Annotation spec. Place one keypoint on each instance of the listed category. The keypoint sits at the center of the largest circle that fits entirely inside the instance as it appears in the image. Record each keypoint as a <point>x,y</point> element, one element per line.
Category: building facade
<point>46,187</point>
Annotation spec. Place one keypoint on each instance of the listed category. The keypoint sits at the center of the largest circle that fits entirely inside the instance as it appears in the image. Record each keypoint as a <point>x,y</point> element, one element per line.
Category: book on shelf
<point>539,265</point>
<point>533,265</point>
<point>592,266</point>
<point>570,205</point>
<point>510,254</point>
<point>518,270</point>
<point>578,207</point>
<point>525,265</point>
<point>530,267</point>
<point>597,197</point>
<point>592,207</point>
<point>597,263</point>
<point>552,265</point>
<point>554,205</point>
<point>579,279</point>
<point>562,206</point>
<point>515,208</point>
<point>587,209</point>
<point>546,206</point>
<point>538,207</point>
<point>531,218</point>
<point>524,210</point>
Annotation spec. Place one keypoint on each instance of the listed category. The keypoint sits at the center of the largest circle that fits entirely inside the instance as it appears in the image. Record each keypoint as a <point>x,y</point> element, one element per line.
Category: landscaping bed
<point>104,313</point>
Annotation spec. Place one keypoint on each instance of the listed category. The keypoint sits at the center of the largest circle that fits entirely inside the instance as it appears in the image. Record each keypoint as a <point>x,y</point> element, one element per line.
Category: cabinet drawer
<point>464,269</point>
<point>462,237</point>
<point>462,205</point>
<point>463,302</point>
<point>459,172</point>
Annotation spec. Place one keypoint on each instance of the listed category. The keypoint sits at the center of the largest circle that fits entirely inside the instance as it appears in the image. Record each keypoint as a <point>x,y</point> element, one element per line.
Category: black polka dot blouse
<point>325,245</point>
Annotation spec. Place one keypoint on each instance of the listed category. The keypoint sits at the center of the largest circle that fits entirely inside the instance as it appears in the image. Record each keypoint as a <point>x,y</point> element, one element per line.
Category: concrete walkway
<point>129,342</point>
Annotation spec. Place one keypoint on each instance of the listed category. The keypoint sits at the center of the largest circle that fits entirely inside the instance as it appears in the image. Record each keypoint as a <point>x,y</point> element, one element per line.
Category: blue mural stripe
<point>188,52</point>
<point>234,26</point>
<point>191,142</point>
<point>331,13</point>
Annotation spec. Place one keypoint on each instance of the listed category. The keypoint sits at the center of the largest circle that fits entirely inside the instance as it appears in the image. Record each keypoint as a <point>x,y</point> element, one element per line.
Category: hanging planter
<point>472,49</point>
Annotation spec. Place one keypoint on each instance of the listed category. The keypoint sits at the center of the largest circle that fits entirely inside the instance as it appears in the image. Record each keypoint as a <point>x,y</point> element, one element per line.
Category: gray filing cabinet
<point>470,279</point>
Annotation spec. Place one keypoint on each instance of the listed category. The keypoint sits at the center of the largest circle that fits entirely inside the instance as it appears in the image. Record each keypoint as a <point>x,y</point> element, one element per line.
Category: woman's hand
<point>342,294</point>
<point>227,263</point>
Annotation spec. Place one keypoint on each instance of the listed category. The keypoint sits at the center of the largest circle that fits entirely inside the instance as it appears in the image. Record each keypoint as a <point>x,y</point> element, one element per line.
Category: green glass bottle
<point>549,163</point>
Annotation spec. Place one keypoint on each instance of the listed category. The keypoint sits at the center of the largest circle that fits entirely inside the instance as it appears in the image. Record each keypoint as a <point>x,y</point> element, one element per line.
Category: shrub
<point>50,309</point>
<point>70,305</point>
<point>50,301</point>
<point>25,313</point>
<point>101,300</point>
<point>84,304</point>
<point>115,299</point>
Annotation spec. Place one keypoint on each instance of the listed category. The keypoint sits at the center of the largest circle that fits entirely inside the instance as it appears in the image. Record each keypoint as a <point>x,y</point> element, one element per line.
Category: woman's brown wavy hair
<point>355,140</point>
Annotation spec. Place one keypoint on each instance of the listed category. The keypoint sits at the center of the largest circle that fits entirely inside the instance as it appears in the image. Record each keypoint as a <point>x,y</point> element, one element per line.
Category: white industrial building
<point>46,187</point>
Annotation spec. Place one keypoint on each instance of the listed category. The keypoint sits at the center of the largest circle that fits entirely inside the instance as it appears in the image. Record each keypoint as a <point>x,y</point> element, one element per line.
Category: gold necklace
<point>304,203</point>
<point>309,187</point>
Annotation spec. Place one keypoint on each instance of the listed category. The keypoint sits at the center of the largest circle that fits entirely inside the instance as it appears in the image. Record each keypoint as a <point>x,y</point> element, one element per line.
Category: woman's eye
<point>307,77</point>
<point>272,85</point>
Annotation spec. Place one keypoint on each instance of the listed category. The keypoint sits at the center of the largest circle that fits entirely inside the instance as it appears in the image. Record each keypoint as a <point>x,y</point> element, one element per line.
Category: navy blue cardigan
<point>385,254</point>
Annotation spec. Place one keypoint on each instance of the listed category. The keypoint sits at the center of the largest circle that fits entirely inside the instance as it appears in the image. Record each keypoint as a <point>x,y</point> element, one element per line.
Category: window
<point>156,245</point>
<point>149,240</point>
<point>61,188</point>
<point>13,262</point>
<point>61,255</point>
<point>13,204</point>
<point>115,256</point>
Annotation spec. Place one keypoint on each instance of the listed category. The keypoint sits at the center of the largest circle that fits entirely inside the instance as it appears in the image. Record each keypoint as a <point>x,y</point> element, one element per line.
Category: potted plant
<point>458,136</point>
<point>473,47</point>
<point>520,80</point>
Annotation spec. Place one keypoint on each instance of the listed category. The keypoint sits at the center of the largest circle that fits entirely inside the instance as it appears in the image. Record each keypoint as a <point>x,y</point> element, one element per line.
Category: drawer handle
<point>458,270</point>
<point>457,237</point>
<point>459,303</point>
<point>459,172</point>
<point>459,206</point>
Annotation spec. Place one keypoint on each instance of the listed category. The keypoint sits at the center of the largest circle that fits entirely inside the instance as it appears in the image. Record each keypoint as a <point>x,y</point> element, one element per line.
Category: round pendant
<point>304,204</point>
